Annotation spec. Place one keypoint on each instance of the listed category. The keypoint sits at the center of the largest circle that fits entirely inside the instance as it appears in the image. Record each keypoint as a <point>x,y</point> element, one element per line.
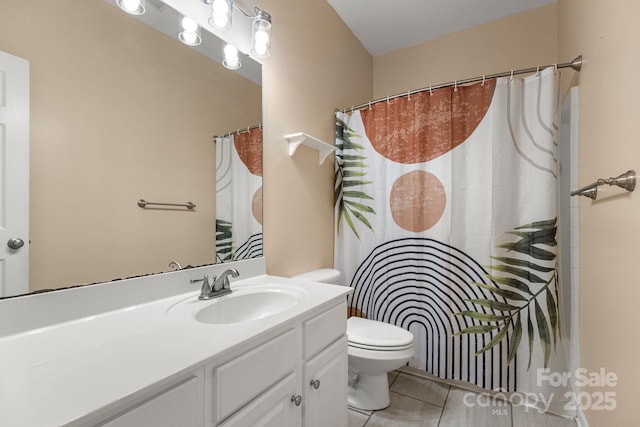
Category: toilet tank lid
<point>323,275</point>
<point>375,333</point>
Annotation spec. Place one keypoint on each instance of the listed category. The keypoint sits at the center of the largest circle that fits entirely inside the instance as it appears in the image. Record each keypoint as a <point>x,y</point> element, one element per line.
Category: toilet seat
<point>377,336</point>
<point>379,348</point>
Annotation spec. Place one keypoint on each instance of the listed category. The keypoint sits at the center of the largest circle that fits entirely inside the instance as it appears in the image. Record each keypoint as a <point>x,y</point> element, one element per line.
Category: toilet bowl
<point>375,348</point>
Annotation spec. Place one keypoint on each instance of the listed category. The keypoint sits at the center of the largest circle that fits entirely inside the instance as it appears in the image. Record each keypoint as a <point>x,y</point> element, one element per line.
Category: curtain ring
<point>555,66</point>
<point>537,71</point>
<point>430,91</point>
<point>409,95</point>
<point>455,86</point>
<point>483,79</point>
<point>369,105</point>
<point>387,100</point>
<point>260,126</point>
<point>511,78</point>
<point>248,129</point>
<point>238,132</point>
<point>352,109</point>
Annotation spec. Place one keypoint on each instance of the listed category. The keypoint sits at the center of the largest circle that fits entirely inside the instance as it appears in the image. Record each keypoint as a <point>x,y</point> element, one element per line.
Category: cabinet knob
<point>297,400</point>
<point>315,384</point>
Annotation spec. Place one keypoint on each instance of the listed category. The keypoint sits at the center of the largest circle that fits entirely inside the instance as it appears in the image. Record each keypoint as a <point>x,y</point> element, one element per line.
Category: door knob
<point>315,384</point>
<point>15,243</point>
<point>296,400</point>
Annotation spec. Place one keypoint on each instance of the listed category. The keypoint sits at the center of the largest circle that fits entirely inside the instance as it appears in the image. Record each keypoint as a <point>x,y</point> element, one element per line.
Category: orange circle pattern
<point>417,201</point>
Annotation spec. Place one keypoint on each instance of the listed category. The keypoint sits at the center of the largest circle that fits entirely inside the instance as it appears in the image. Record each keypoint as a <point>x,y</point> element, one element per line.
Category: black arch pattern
<point>419,284</point>
<point>252,248</point>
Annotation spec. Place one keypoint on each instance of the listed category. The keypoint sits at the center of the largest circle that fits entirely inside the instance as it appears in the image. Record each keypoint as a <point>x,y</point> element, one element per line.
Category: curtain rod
<point>575,65</point>
<point>238,131</point>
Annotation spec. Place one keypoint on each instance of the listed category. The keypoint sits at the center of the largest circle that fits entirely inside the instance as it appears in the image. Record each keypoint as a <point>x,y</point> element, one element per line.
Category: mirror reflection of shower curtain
<point>446,219</point>
<point>239,196</point>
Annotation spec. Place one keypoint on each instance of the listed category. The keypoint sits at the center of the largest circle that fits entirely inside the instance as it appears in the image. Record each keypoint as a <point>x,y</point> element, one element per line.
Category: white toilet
<point>375,348</point>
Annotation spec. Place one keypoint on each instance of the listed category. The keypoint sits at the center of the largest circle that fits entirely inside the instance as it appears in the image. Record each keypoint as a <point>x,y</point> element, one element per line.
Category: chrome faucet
<point>217,286</point>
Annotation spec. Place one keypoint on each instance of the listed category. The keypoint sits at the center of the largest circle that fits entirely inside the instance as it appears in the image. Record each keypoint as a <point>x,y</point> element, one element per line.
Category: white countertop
<point>61,373</point>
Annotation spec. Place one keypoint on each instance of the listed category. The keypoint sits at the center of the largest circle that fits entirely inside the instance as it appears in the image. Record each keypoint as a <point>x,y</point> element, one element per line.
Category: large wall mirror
<point>120,111</point>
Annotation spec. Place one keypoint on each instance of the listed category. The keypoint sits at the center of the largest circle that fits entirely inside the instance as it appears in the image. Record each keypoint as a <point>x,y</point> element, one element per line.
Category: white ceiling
<point>383,26</point>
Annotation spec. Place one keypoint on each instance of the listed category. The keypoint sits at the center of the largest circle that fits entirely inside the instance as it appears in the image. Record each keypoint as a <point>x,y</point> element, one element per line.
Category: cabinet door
<point>239,381</point>
<point>325,387</point>
<point>180,405</point>
<point>274,408</point>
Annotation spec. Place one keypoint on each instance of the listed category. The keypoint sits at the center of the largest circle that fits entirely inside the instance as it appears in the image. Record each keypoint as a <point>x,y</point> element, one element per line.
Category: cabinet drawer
<point>237,382</point>
<point>272,409</point>
<point>324,329</point>
<point>180,404</point>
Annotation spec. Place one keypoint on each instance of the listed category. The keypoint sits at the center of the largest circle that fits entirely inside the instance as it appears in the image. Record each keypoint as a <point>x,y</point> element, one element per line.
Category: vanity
<point>146,351</point>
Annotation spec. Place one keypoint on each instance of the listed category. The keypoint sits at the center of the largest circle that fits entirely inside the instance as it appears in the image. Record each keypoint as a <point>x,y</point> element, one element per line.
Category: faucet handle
<point>205,291</point>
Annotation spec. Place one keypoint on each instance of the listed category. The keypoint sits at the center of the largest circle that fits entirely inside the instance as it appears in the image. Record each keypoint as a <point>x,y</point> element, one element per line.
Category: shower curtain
<point>239,196</point>
<point>445,205</point>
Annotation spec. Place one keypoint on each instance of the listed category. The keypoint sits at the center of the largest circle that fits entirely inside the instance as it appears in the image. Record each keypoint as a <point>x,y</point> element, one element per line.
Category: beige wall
<point>519,41</point>
<point>607,34</point>
<point>117,115</point>
<point>317,65</point>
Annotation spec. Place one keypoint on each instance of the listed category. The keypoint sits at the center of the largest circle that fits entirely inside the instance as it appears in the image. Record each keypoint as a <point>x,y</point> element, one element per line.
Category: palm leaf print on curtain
<point>445,207</point>
<point>351,204</point>
<point>239,196</point>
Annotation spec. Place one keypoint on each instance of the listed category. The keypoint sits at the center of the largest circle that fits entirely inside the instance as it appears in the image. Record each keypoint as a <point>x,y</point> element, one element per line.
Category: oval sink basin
<point>242,307</point>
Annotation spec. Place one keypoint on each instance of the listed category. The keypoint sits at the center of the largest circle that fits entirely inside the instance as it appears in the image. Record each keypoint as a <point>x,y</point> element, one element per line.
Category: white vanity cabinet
<point>297,378</point>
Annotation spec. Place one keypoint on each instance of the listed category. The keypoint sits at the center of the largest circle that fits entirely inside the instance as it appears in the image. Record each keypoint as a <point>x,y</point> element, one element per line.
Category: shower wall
<point>519,41</point>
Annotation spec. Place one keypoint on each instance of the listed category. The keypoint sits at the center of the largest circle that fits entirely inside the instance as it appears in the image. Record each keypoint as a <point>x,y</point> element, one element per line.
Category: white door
<point>14,175</point>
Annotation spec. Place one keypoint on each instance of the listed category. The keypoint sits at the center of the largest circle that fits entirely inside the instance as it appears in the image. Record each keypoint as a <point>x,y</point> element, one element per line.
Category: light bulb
<point>220,21</point>
<point>261,37</point>
<point>220,7</point>
<point>189,24</point>
<point>131,5</point>
<point>231,58</point>
<point>230,50</point>
<point>134,7</point>
<point>221,14</point>
<point>190,32</point>
<point>232,62</point>
<point>260,49</point>
<point>189,38</point>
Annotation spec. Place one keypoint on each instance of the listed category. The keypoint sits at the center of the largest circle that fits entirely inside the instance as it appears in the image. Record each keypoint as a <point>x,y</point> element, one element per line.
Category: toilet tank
<point>323,275</point>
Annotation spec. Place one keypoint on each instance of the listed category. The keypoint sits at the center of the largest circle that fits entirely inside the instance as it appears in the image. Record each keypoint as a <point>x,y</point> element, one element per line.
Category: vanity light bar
<point>221,17</point>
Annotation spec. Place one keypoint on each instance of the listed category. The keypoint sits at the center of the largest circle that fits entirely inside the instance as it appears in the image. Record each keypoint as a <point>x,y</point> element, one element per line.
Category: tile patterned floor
<point>416,401</point>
